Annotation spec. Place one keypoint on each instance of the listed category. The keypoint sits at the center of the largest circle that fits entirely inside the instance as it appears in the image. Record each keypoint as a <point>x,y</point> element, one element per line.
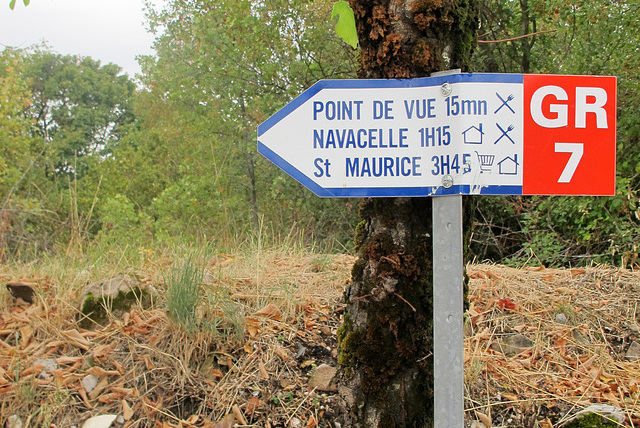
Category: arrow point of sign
<point>293,171</point>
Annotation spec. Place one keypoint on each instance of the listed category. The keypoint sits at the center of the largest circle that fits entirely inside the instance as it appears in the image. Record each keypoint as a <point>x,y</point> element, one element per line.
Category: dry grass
<point>577,358</point>
<point>155,374</point>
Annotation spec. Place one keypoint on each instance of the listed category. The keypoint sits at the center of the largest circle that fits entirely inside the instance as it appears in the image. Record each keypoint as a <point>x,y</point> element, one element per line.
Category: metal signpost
<point>446,136</point>
<point>448,295</point>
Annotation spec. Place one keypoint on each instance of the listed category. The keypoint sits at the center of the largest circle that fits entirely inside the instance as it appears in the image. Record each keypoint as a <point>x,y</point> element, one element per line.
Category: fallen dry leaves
<point>578,345</point>
<point>154,375</point>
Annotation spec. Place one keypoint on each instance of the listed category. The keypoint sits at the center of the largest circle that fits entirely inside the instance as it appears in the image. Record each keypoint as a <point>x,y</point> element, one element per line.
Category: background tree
<point>222,68</point>
<point>18,149</point>
<point>387,335</point>
<point>64,115</point>
<point>556,37</point>
<point>81,108</point>
<point>15,129</point>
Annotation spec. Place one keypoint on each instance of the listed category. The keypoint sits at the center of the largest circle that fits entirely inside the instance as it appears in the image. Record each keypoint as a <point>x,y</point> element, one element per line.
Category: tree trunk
<point>253,193</point>
<point>249,157</point>
<point>386,337</point>
<point>527,42</point>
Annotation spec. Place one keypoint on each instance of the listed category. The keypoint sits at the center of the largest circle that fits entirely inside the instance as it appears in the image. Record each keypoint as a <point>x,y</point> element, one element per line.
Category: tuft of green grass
<point>185,291</point>
<point>321,263</point>
<point>567,310</point>
<point>222,316</point>
<point>196,305</point>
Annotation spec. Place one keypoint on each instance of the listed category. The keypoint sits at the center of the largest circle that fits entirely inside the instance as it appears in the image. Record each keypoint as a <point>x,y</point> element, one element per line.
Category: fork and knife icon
<point>505,133</point>
<point>505,103</point>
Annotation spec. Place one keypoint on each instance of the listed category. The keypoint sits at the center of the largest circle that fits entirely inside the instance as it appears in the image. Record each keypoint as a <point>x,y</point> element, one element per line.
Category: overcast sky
<point>108,30</point>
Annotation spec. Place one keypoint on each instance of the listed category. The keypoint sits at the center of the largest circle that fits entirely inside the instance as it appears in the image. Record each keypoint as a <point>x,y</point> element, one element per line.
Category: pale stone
<point>633,353</point>
<point>49,366</point>
<point>89,382</point>
<point>14,421</point>
<point>512,345</point>
<point>561,318</point>
<point>102,421</point>
<point>322,377</point>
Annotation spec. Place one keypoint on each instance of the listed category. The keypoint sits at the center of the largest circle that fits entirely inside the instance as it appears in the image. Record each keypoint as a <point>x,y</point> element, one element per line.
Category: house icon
<point>508,165</point>
<point>473,135</point>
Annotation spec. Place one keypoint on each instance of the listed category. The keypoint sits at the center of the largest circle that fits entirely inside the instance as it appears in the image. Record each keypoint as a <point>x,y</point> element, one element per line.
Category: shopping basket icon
<point>486,162</point>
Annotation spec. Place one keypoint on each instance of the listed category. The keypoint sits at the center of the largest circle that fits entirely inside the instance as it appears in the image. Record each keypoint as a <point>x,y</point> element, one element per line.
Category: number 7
<point>576,150</point>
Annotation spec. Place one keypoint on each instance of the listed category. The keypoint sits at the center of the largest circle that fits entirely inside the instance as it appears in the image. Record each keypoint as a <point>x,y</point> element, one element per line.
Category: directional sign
<point>456,134</point>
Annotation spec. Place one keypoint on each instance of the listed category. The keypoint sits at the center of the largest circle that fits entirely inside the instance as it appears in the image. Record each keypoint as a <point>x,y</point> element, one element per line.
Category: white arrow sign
<point>455,134</point>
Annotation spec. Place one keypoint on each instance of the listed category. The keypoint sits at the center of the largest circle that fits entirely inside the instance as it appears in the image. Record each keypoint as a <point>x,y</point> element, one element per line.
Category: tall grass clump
<point>184,282</point>
<point>197,302</point>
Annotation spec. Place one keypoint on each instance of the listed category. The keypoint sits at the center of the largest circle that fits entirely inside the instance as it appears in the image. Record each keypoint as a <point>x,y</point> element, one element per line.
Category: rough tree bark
<point>386,337</point>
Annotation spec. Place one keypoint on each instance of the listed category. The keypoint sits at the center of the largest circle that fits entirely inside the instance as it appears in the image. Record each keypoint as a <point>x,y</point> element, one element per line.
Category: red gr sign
<point>569,135</point>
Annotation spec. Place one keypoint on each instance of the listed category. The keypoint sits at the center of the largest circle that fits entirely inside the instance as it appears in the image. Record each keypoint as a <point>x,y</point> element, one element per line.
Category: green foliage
<point>599,38</point>
<point>12,3</point>
<point>25,224</point>
<point>568,230</point>
<point>346,25</point>
<point>85,154</point>
<point>188,207</point>
<point>119,220</point>
<point>17,148</point>
<point>219,73</point>
<point>80,106</point>
<point>60,119</point>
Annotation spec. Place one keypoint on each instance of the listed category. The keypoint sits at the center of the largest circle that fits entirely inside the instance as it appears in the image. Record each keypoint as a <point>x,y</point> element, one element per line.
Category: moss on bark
<point>386,336</point>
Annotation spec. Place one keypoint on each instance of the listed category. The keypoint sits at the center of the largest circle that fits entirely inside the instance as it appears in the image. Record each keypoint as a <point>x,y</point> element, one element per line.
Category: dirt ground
<point>540,344</point>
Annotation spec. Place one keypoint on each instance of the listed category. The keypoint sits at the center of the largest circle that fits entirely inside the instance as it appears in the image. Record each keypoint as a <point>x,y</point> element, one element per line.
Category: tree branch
<point>517,37</point>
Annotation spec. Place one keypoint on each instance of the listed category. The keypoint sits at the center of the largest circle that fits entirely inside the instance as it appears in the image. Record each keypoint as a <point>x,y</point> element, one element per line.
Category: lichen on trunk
<point>386,337</point>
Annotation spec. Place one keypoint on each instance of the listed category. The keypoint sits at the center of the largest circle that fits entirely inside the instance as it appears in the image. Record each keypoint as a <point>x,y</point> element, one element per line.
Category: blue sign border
<point>357,192</point>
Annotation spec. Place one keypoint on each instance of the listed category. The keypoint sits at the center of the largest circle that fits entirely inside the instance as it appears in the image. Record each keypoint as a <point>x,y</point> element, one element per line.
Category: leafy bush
<point>565,231</point>
<point>121,221</point>
<point>194,206</point>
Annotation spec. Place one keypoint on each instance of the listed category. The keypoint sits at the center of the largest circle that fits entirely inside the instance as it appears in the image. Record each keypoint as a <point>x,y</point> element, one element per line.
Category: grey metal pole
<point>448,280</point>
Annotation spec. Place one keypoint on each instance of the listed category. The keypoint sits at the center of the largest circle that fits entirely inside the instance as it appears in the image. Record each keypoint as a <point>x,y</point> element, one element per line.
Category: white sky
<point>108,30</point>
